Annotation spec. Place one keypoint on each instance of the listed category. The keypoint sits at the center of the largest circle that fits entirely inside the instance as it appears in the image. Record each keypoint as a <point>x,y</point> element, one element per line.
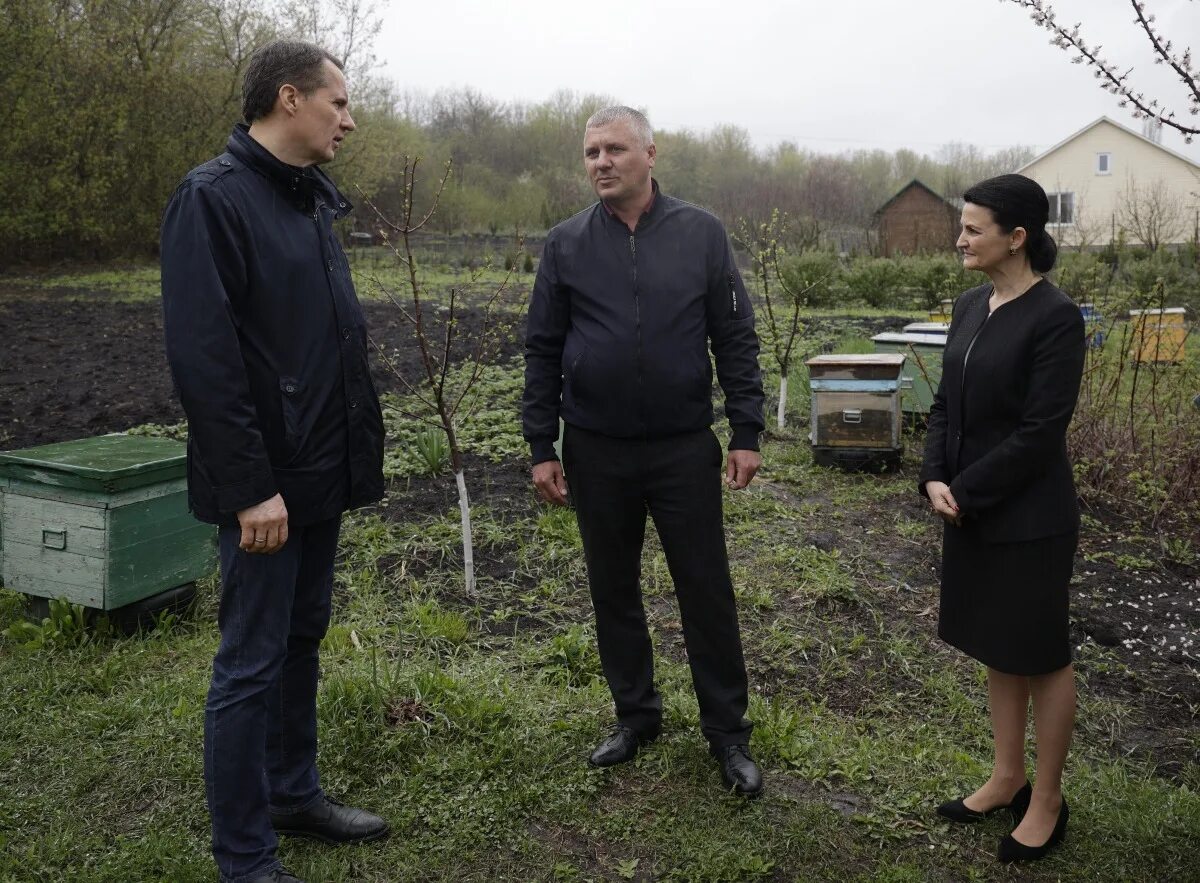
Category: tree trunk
<point>781,413</point>
<point>464,510</point>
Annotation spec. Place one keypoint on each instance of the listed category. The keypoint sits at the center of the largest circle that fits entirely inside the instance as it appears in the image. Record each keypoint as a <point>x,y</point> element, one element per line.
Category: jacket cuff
<point>244,494</point>
<point>542,450</point>
<point>745,437</point>
<point>927,475</point>
<point>960,495</point>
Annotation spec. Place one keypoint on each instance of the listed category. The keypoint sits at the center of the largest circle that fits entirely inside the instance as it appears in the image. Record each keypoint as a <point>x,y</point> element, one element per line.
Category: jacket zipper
<point>733,294</point>
<point>637,312</point>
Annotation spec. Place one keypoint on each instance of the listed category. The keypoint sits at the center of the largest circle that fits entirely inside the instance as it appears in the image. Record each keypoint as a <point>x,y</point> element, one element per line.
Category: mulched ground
<point>72,367</point>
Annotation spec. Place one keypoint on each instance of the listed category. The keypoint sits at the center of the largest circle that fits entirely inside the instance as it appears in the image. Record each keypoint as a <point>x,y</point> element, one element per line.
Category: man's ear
<point>289,98</point>
<point>652,153</point>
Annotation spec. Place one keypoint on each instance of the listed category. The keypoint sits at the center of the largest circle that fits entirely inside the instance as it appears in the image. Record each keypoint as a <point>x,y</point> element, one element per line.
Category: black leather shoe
<point>279,875</point>
<point>739,772</point>
<point>331,822</point>
<point>621,745</point>
<point>1012,850</point>
<point>957,811</point>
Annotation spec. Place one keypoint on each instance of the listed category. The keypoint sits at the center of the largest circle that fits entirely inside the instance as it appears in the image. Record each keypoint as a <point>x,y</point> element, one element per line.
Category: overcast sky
<point>832,76</point>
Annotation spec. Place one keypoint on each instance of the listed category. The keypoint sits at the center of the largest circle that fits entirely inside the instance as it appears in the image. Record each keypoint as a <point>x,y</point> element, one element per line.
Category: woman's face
<point>982,244</point>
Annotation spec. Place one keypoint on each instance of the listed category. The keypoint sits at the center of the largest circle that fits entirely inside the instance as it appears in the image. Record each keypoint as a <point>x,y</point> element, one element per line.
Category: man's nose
<point>348,122</point>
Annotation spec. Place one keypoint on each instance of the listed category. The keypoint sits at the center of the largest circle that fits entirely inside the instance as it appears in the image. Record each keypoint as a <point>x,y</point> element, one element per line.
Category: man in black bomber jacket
<point>629,296</point>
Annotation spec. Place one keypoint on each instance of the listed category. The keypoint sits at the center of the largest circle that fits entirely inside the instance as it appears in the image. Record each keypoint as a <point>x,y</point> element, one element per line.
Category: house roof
<point>1113,122</point>
<point>914,183</point>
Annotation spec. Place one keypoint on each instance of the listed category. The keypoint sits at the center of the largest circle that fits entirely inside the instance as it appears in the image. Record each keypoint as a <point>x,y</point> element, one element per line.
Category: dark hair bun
<point>1017,201</point>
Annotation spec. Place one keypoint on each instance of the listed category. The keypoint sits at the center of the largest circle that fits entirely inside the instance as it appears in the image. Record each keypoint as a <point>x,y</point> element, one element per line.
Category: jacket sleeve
<point>203,277</point>
<point>546,331</point>
<point>1056,371</point>
<point>933,464</point>
<point>735,346</point>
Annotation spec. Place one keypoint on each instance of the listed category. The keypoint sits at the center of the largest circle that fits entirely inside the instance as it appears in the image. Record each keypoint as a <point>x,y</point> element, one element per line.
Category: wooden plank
<point>136,522</point>
<point>38,511</point>
<point>95,499</point>
<point>877,420</point>
<point>26,567</point>
<point>40,586</point>
<point>160,563</point>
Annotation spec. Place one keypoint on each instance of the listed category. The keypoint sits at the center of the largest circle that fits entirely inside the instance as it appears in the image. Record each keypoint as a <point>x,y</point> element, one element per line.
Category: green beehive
<point>922,370</point>
<point>101,522</point>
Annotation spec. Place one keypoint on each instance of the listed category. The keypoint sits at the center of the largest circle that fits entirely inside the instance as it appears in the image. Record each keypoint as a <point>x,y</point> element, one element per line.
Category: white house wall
<point>1072,168</point>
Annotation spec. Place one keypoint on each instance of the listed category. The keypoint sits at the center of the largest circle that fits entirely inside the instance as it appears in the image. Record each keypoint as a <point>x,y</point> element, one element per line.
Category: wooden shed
<point>916,221</point>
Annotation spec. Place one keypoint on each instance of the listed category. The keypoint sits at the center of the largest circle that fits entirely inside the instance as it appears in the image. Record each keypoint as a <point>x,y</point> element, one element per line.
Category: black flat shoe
<point>957,811</point>
<point>278,875</point>
<point>1012,850</point>
<point>739,772</point>
<point>621,745</point>
<point>331,822</point>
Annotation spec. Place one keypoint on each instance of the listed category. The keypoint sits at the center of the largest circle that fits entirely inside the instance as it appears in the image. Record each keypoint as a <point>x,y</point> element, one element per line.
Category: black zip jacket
<point>267,341</point>
<point>620,325</point>
<point>998,426</point>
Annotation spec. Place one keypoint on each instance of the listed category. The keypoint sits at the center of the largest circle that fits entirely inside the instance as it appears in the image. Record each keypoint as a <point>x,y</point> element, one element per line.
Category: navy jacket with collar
<point>620,325</point>
<point>998,426</point>
<point>266,340</point>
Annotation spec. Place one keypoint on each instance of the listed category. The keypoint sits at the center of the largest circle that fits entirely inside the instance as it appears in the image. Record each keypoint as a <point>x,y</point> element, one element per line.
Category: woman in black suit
<point>996,471</point>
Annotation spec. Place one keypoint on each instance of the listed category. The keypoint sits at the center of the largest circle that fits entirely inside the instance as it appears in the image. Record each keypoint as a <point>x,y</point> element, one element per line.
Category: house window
<point>1062,208</point>
<point>1103,163</point>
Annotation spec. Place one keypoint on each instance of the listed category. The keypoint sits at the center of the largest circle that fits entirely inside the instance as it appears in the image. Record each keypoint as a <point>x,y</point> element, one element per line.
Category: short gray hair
<point>278,63</point>
<point>620,113</point>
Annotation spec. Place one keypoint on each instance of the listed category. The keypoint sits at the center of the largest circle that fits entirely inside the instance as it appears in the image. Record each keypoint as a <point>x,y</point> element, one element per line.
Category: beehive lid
<point>911,338</point>
<point>105,463</point>
<point>927,328</point>
<point>1167,311</point>
<point>859,366</point>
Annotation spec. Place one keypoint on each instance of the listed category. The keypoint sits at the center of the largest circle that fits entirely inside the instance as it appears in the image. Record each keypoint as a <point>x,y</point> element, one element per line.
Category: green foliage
<point>66,626</point>
<point>571,657</point>
<point>818,273</point>
<point>876,281</point>
<point>433,448</point>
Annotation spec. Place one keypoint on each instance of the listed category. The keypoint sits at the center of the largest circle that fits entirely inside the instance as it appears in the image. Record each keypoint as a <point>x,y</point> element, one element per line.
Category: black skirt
<point>1006,604</point>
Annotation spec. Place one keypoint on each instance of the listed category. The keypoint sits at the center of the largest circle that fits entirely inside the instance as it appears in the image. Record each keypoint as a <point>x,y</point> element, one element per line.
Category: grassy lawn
<point>466,720</point>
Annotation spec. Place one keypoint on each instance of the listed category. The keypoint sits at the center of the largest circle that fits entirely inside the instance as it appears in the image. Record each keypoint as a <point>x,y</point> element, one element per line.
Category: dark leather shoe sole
<point>313,835</point>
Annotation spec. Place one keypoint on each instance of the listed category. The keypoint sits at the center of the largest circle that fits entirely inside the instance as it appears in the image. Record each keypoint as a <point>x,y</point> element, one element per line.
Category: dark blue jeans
<point>260,722</point>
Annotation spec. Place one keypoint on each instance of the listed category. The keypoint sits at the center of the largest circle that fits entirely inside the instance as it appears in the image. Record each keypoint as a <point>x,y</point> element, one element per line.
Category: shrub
<point>878,282</point>
<point>819,273</point>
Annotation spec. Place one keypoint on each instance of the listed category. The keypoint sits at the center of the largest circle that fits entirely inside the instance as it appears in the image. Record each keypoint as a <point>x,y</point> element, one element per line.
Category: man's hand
<point>741,467</point>
<point>550,482</point>
<point>943,502</point>
<point>264,527</point>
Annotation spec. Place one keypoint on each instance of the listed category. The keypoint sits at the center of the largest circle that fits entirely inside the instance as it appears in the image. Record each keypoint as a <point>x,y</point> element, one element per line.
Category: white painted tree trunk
<point>464,511</point>
<point>781,414</point>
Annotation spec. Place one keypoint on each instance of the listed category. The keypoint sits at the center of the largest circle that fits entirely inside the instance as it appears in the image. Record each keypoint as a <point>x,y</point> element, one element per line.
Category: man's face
<point>618,164</point>
<point>322,119</point>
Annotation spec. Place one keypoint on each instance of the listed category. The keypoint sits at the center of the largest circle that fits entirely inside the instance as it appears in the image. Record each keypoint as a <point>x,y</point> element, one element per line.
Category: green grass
<point>465,721</point>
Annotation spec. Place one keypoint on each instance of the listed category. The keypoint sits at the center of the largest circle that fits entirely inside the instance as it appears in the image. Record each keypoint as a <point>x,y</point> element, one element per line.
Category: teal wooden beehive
<point>101,522</point>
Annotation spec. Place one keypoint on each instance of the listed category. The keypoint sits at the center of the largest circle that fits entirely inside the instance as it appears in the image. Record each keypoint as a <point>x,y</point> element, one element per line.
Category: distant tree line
<point>112,101</point>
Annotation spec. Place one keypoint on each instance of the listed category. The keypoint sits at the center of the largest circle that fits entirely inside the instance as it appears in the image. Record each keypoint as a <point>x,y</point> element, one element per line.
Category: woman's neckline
<point>1036,282</point>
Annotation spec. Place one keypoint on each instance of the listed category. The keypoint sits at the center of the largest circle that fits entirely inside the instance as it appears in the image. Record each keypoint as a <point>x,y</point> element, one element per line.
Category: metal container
<point>101,522</point>
<point>856,410</point>
<point>922,370</point>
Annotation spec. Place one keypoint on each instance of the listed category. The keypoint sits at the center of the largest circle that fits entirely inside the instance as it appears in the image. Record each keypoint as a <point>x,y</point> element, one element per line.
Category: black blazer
<point>998,424</point>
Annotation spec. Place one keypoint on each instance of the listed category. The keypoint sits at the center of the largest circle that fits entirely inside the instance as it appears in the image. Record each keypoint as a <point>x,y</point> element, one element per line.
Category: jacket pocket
<point>576,368</point>
<point>291,394</point>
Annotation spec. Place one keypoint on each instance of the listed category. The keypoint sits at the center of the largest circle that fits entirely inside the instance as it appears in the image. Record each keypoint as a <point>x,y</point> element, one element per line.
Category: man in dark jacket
<point>267,345</point>
<point>629,295</point>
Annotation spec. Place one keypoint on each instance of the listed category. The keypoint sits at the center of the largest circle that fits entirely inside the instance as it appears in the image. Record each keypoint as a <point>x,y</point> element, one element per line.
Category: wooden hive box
<point>922,370</point>
<point>1159,335</point>
<point>101,522</point>
<point>856,409</point>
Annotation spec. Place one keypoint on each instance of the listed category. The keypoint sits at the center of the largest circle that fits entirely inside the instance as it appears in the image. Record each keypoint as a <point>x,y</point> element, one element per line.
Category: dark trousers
<point>613,483</point>
<point>260,721</point>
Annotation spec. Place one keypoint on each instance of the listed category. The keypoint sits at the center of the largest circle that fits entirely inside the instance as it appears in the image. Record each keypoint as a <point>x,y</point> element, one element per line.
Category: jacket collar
<point>649,214</point>
<point>301,185</point>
